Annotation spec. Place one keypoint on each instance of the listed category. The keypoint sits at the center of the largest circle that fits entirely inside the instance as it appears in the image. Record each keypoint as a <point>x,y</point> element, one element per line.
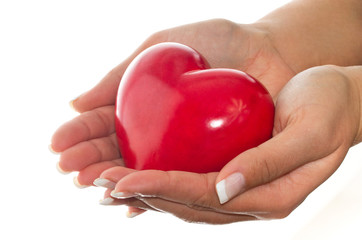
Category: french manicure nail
<point>52,150</point>
<point>106,201</point>
<point>77,184</point>
<point>230,187</point>
<point>71,103</point>
<point>131,214</point>
<point>122,195</point>
<point>102,182</point>
<point>60,170</point>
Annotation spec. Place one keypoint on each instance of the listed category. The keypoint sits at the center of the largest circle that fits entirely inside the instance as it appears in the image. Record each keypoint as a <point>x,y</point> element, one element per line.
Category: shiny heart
<point>175,113</point>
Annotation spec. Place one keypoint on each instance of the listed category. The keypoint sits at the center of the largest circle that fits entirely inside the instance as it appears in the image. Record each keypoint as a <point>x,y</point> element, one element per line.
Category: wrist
<point>311,33</point>
<point>355,75</point>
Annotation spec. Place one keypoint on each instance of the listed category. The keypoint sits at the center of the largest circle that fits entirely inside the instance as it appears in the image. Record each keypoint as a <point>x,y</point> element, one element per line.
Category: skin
<point>289,166</point>
<point>323,101</point>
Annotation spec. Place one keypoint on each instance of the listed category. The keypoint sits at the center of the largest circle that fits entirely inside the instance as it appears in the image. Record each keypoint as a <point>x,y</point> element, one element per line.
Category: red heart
<point>175,113</point>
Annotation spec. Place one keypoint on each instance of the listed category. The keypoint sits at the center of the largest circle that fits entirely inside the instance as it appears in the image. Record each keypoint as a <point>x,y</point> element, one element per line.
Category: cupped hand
<point>87,143</point>
<point>317,121</point>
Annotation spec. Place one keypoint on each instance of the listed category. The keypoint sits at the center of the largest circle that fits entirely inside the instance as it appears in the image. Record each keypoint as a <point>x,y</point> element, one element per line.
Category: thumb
<point>280,155</point>
<point>105,92</point>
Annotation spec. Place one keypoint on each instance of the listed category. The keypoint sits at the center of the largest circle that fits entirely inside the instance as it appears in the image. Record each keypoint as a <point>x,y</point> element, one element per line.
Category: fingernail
<point>122,195</point>
<point>106,201</point>
<point>102,182</point>
<point>71,103</point>
<point>52,150</point>
<point>230,187</point>
<point>60,170</point>
<point>131,214</point>
<point>77,184</point>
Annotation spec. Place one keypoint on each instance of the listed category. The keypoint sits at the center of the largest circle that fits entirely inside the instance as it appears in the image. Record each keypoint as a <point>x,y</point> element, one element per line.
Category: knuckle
<point>204,200</point>
<point>268,168</point>
<point>263,165</point>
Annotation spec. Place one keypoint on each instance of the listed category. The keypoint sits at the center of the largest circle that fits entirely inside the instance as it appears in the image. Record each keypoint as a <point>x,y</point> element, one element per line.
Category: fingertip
<point>106,201</point>
<point>123,195</point>
<point>78,184</point>
<point>103,94</point>
<point>80,103</point>
<point>58,144</point>
<point>51,149</point>
<point>60,169</point>
<point>221,192</point>
<point>72,104</point>
<point>133,212</point>
<point>230,187</point>
<point>86,101</point>
<point>102,182</point>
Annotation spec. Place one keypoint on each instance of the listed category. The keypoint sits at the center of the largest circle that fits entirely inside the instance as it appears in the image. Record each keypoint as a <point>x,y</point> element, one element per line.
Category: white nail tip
<point>102,182</point>
<point>117,194</point>
<point>230,187</point>
<point>106,201</point>
<point>76,183</point>
<point>132,214</point>
<point>52,150</point>
<point>221,192</point>
<point>60,170</point>
<point>122,195</point>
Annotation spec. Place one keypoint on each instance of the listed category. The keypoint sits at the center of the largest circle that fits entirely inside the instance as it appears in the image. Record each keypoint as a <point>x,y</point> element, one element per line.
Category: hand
<point>88,142</point>
<point>317,121</point>
<point>271,50</point>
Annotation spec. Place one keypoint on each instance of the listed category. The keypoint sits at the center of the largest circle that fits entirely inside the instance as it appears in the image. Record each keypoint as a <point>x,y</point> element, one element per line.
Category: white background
<point>52,51</point>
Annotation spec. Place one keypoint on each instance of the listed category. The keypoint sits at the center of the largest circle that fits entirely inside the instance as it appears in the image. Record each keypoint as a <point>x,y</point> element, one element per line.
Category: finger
<point>115,174</point>
<point>93,124</point>
<point>134,211</point>
<point>135,206</point>
<point>184,187</point>
<point>107,200</point>
<point>279,198</point>
<point>89,152</point>
<point>105,92</point>
<point>180,193</point>
<point>190,214</point>
<point>274,200</point>
<point>88,175</point>
<point>285,152</point>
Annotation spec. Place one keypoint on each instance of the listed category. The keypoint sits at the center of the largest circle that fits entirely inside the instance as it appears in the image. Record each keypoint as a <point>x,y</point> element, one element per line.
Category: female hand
<point>317,121</point>
<point>271,50</point>
<point>88,144</point>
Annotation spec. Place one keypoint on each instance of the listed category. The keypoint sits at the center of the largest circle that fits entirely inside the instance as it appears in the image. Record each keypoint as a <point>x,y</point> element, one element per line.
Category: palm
<point>314,128</point>
<point>88,142</point>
